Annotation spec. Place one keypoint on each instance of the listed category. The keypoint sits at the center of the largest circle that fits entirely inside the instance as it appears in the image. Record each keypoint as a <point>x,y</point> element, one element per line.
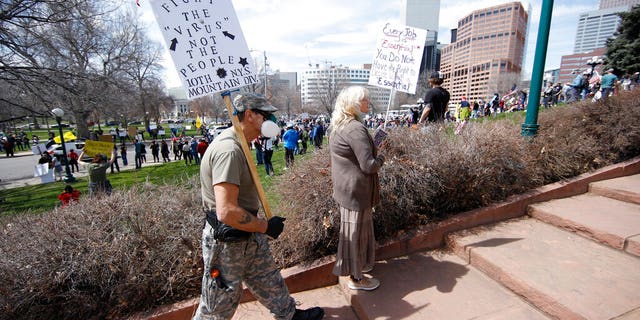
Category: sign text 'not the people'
<point>206,44</point>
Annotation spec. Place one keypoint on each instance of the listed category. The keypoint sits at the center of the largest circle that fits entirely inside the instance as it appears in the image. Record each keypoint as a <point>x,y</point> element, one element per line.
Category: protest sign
<point>39,149</point>
<point>132,131</point>
<point>396,62</point>
<point>91,148</point>
<point>206,44</point>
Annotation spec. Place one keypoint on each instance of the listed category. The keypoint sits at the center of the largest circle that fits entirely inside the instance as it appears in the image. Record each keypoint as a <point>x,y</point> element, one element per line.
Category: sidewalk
<point>32,181</point>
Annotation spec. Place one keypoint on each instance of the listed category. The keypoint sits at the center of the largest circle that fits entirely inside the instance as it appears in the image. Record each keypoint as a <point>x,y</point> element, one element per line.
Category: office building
<point>595,27</point>
<point>606,4</point>
<point>320,86</point>
<point>486,52</point>
<point>578,62</point>
<point>286,79</point>
<point>550,76</point>
<point>424,15</point>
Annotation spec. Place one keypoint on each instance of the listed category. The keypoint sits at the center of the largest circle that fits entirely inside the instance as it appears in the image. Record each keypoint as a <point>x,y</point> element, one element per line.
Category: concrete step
<point>330,298</point>
<point>624,188</point>
<point>561,273</point>
<point>435,285</point>
<point>606,220</point>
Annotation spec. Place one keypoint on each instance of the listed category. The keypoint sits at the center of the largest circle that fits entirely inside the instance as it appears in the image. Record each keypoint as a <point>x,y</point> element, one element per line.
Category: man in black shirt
<point>435,101</point>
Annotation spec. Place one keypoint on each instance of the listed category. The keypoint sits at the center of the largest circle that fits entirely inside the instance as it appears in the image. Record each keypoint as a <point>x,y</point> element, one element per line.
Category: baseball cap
<point>254,101</point>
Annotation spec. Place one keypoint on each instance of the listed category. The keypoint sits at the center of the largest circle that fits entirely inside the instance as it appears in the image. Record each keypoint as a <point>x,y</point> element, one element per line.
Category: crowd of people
<point>235,238</point>
<point>586,85</point>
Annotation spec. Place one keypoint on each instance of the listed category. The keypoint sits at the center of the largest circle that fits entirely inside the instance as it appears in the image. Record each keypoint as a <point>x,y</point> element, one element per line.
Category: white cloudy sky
<point>295,33</point>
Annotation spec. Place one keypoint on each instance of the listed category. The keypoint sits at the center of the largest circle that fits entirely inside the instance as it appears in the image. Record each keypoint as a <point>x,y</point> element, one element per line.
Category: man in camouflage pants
<point>234,239</point>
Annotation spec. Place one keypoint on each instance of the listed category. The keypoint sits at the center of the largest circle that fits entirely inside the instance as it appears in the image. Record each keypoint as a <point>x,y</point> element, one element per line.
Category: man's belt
<point>223,232</point>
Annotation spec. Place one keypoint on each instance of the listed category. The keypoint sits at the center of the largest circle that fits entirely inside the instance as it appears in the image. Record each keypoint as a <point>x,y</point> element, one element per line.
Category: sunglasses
<point>266,115</point>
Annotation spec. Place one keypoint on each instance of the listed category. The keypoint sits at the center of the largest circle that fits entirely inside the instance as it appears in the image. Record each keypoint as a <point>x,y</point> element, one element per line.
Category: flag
<point>198,122</point>
<point>68,136</point>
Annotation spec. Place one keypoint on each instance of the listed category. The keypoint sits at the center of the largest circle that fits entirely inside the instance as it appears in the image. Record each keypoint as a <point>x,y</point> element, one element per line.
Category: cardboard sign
<point>91,148</point>
<point>396,62</point>
<point>206,45</point>
<point>39,149</point>
<point>106,138</point>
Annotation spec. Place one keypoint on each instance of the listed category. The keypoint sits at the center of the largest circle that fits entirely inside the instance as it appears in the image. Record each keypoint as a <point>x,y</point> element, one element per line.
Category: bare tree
<point>284,98</point>
<point>326,87</point>
<point>23,66</point>
<point>88,57</point>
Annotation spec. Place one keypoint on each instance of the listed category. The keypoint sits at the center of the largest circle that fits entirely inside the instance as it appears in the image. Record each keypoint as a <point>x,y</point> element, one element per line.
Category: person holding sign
<point>354,171</point>
<point>97,168</point>
<point>436,100</point>
<point>235,246</point>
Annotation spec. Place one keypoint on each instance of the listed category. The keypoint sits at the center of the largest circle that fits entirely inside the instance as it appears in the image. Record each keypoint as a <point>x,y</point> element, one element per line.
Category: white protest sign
<point>396,63</point>
<point>206,45</point>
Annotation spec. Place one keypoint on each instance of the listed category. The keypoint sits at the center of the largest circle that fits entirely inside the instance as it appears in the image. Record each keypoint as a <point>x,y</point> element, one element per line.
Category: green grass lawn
<point>43,197</point>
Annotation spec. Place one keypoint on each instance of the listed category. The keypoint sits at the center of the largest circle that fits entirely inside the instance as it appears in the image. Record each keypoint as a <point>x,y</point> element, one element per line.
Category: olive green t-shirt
<point>224,161</point>
<point>98,171</point>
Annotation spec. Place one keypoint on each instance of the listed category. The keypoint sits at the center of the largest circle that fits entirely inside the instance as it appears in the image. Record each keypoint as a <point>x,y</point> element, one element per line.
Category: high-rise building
<point>320,86</point>
<point>595,27</point>
<point>577,62</point>
<point>605,4</point>
<point>285,79</point>
<point>424,15</point>
<point>486,55</point>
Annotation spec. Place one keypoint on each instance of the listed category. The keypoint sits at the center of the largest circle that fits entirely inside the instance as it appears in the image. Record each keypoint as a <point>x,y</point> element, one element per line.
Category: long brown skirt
<point>357,245</point>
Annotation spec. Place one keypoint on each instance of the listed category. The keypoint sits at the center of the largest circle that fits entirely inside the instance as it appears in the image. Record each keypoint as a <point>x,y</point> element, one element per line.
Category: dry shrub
<point>103,257</point>
<point>432,174</point>
<point>107,257</point>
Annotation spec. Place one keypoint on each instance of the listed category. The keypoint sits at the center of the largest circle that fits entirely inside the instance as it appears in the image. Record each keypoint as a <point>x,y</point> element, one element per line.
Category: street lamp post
<point>58,113</point>
<point>265,73</point>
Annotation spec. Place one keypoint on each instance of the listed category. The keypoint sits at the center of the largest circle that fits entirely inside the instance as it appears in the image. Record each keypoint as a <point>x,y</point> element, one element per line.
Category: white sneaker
<point>367,284</point>
<point>367,269</point>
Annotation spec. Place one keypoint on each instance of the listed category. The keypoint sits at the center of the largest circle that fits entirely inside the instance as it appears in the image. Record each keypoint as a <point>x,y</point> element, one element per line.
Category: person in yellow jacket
<point>464,113</point>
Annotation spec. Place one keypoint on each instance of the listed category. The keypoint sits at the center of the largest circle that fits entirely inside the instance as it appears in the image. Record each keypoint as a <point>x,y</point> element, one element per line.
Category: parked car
<point>64,125</point>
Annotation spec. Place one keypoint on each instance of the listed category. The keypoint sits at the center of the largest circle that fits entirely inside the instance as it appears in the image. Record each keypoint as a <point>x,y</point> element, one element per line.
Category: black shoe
<point>315,313</point>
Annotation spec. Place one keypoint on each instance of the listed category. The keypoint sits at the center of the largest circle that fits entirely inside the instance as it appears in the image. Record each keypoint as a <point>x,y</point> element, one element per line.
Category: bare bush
<point>432,174</point>
<point>103,257</point>
<point>108,257</point>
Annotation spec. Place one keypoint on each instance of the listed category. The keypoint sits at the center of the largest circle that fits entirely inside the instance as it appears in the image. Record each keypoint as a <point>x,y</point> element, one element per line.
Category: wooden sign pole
<point>247,153</point>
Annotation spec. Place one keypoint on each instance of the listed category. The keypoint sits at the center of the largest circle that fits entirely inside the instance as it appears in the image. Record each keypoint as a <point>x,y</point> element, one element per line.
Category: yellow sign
<point>198,122</point>
<point>91,148</point>
<point>68,136</point>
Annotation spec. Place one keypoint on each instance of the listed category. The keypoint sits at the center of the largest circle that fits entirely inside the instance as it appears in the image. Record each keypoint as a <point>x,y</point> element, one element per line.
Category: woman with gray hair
<point>354,171</point>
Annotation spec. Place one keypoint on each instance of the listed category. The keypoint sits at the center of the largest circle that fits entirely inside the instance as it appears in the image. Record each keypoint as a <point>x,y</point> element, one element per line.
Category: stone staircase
<point>569,258</point>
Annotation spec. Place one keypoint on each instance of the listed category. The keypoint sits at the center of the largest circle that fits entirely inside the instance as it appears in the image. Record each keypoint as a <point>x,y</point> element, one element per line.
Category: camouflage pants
<point>249,261</point>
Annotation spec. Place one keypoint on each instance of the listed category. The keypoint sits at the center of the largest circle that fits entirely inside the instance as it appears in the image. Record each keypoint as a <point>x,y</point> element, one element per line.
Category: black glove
<point>275,227</point>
